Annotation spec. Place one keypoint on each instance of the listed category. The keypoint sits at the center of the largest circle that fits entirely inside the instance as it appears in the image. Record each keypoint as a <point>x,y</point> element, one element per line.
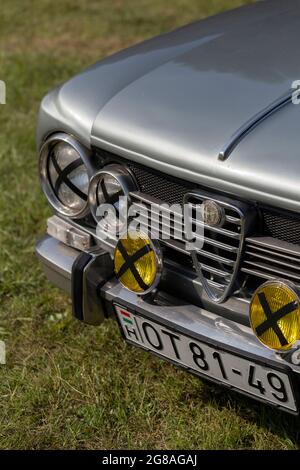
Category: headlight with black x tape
<point>138,262</point>
<point>275,315</point>
<point>110,188</point>
<point>64,175</point>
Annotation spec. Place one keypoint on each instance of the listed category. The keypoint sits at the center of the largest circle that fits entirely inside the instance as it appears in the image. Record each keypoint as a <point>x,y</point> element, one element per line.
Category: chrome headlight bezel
<point>46,183</point>
<point>123,177</point>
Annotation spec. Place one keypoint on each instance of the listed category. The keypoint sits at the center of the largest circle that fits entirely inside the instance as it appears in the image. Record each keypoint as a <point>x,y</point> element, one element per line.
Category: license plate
<point>264,382</point>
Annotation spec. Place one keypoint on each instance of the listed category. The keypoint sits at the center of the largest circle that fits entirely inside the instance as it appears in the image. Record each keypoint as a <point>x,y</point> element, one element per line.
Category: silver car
<point>173,170</point>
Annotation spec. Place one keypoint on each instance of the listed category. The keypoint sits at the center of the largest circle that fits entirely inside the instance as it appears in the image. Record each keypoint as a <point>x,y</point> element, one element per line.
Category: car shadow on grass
<point>276,421</point>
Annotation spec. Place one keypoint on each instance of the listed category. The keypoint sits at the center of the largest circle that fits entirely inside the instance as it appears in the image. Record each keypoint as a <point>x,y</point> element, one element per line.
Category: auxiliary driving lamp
<point>275,315</point>
<point>138,262</point>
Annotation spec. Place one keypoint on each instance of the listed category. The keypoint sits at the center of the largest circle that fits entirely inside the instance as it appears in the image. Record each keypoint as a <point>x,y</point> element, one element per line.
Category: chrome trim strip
<point>277,272</point>
<point>216,271</point>
<point>274,260</point>
<point>222,231</point>
<point>269,258</point>
<point>155,203</point>
<point>218,258</point>
<point>165,227</point>
<point>275,244</point>
<point>256,273</point>
<point>252,123</point>
<point>232,220</point>
<point>215,284</point>
<point>223,246</point>
<point>258,249</point>
<point>176,245</point>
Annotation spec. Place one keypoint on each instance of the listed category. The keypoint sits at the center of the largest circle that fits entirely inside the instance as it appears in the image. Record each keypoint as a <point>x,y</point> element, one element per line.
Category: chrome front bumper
<point>59,260</point>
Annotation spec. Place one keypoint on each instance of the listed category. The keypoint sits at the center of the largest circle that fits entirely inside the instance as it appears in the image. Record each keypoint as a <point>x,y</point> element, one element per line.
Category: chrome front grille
<point>268,258</point>
<point>217,262</point>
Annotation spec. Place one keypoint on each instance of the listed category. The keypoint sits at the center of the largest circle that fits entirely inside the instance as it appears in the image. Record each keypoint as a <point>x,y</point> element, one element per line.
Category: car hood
<point>174,101</point>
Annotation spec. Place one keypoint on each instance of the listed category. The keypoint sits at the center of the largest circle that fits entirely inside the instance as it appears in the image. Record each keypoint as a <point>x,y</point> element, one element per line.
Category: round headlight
<point>138,262</point>
<point>110,187</point>
<point>64,175</point>
<point>275,315</point>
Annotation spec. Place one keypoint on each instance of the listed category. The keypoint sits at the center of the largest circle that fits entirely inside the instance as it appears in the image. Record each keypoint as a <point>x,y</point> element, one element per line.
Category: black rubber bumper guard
<point>90,271</point>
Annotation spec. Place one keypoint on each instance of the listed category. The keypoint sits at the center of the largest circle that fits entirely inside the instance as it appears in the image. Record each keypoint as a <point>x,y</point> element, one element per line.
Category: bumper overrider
<point>97,294</point>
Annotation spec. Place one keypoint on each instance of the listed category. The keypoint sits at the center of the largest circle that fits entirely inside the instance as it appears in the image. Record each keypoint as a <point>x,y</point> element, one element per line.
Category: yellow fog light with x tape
<point>275,315</point>
<point>138,262</point>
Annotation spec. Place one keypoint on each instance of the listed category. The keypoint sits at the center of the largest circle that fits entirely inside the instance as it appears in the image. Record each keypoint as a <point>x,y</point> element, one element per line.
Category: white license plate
<point>261,381</point>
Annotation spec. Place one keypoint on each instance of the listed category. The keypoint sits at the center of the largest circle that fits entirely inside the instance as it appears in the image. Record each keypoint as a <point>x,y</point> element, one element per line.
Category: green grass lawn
<point>66,385</point>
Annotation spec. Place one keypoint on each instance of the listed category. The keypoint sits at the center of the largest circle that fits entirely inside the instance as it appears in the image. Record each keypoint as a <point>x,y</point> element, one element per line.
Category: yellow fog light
<point>138,262</point>
<point>275,315</point>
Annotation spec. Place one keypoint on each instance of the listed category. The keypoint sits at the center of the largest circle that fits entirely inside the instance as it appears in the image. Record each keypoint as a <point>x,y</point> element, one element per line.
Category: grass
<point>66,385</point>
